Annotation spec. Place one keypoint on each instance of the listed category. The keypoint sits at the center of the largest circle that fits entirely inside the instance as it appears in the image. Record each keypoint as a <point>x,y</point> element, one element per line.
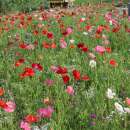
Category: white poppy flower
<point>85,33</point>
<point>92,63</point>
<point>72,41</point>
<point>119,108</point>
<point>110,94</point>
<point>127,110</point>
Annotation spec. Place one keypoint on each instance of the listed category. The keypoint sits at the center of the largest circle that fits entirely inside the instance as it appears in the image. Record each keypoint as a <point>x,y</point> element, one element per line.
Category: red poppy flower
<point>29,18</point>
<point>50,35</point>
<point>113,63</point>
<point>44,32</point>
<point>19,62</point>
<point>45,45</point>
<point>35,32</point>
<point>53,45</point>
<point>37,66</point>
<point>3,104</point>
<point>108,49</point>
<point>80,45</point>
<point>61,70</point>
<point>99,30</point>
<point>35,43</point>
<point>76,74</point>
<point>1,91</point>
<point>66,79</point>
<point>27,72</point>
<point>31,118</point>
<point>88,27</point>
<point>23,46</point>
<point>85,78</point>
<point>84,49</point>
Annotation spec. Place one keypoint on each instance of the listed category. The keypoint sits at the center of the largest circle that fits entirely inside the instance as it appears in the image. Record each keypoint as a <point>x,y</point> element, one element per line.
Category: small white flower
<point>35,128</point>
<point>127,110</point>
<point>85,33</point>
<point>92,63</point>
<point>119,108</point>
<point>83,19</point>
<point>110,94</point>
<point>72,41</point>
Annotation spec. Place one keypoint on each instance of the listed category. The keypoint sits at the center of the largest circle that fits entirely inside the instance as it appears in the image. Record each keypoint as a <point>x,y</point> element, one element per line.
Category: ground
<point>65,69</point>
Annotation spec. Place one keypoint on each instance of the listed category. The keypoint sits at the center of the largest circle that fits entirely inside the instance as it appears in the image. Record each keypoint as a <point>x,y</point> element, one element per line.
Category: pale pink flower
<point>11,106</point>
<point>48,82</point>
<point>46,112</point>
<point>100,49</point>
<point>106,42</point>
<point>54,68</point>
<point>63,44</point>
<point>69,30</point>
<point>25,126</point>
<point>70,90</point>
<point>30,47</point>
<point>127,101</point>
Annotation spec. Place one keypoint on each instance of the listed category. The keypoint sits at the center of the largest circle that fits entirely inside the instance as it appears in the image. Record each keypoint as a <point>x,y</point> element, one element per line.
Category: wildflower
<point>63,44</point>
<point>70,90</point>
<point>11,106</point>
<point>66,79</point>
<point>46,112</point>
<point>28,72</point>
<point>31,118</point>
<point>93,116</point>
<point>50,35</point>
<point>85,33</point>
<point>100,49</point>
<point>119,108</point>
<point>127,110</point>
<point>19,62</point>
<point>84,49</point>
<point>3,104</point>
<point>127,101</point>
<point>1,91</point>
<point>69,30</point>
<point>72,41</point>
<point>113,63</point>
<point>76,74</point>
<point>80,45</point>
<point>37,66</point>
<point>92,63</point>
<point>91,55</point>
<point>48,82</point>
<point>85,78</point>
<point>110,94</point>
<point>25,125</point>
<point>61,70</point>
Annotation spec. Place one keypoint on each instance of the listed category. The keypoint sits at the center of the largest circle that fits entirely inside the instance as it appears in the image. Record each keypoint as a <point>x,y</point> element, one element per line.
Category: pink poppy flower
<point>70,90</point>
<point>25,126</point>
<point>127,101</point>
<point>46,112</point>
<point>48,82</point>
<point>63,44</point>
<point>100,49</point>
<point>54,68</point>
<point>11,106</point>
<point>69,30</point>
<point>30,47</point>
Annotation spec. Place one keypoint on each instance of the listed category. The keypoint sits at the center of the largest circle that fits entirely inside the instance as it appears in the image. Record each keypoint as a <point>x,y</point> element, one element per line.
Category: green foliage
<point>21,5</point>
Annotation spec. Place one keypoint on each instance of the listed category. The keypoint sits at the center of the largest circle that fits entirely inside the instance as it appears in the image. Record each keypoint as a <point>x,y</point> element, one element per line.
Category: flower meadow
<point>65,70</point>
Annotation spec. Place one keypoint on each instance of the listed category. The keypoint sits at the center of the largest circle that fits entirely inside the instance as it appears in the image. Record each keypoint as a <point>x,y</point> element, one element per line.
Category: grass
<point>71,112</point>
